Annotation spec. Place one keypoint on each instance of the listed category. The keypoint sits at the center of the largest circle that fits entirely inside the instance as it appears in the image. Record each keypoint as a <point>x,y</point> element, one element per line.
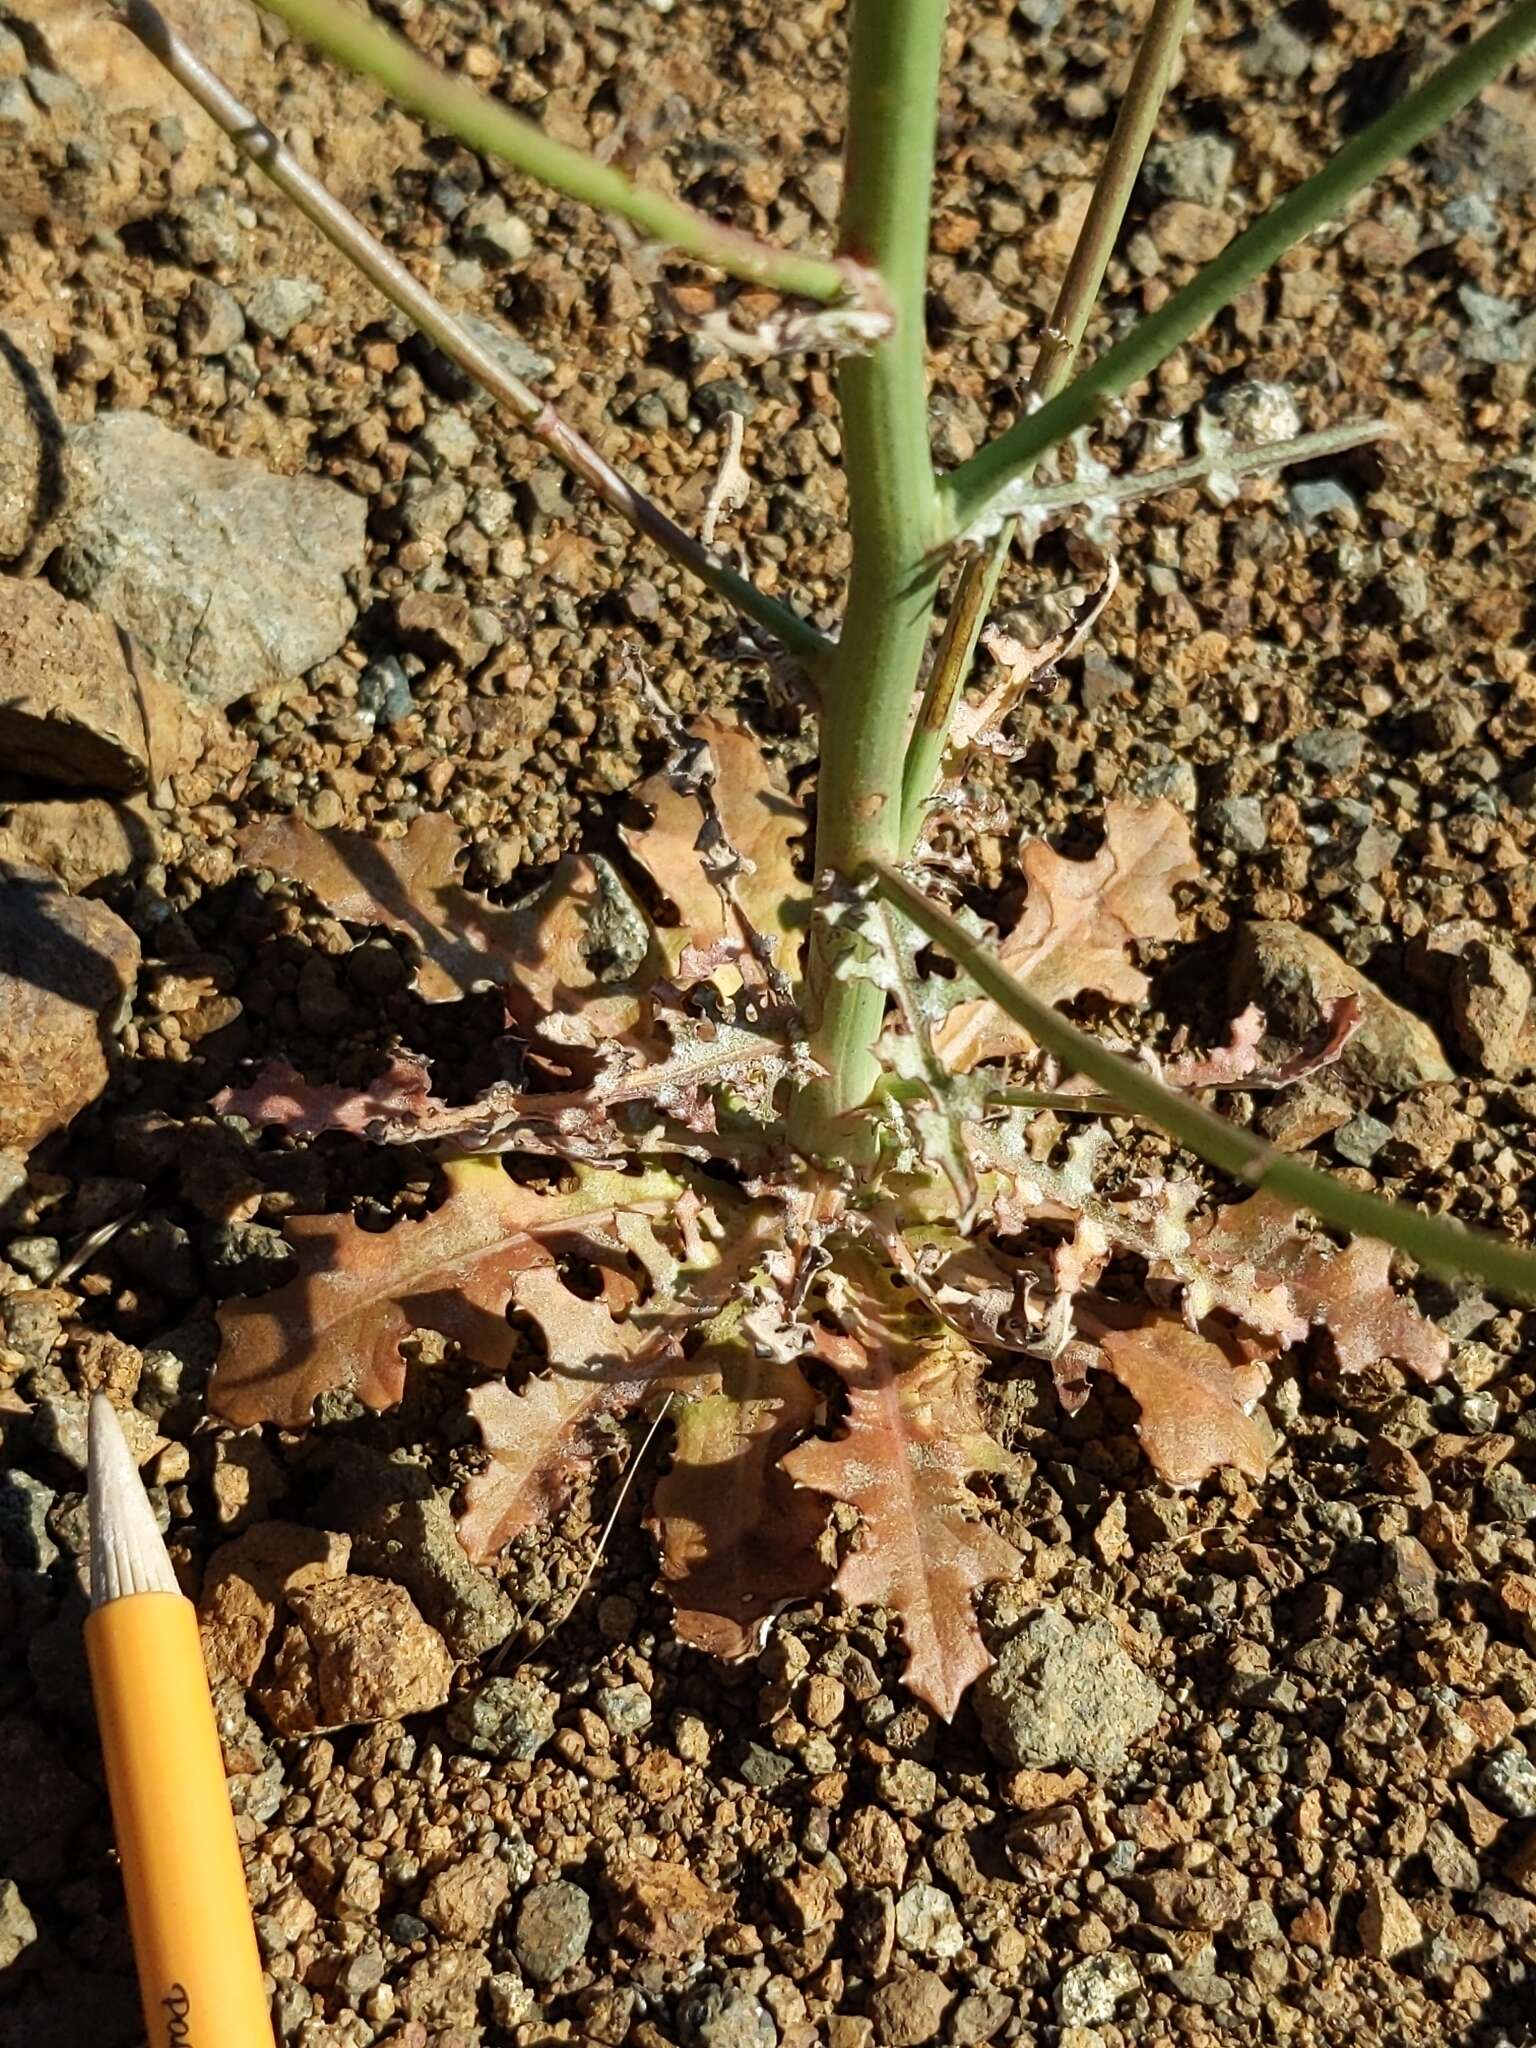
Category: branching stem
<point>968,491</point>
<point>1433,1241</point>
<point>363,45</point>
<point>981,573</point>
<point>385,271</point>
<point>887,188</point>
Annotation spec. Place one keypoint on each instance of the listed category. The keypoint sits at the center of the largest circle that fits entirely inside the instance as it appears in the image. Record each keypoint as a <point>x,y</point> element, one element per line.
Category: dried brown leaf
<point>1348,1293</point>
<point>738,1538</point>
<point>1079,921</point>
<point>282,1097</point>
<point>914,1436</point>
<point>1195,1403</point>
<point>762,823</point>
<point>338,1325</point>
<point>1238,1063</point>
<point>405,885</point>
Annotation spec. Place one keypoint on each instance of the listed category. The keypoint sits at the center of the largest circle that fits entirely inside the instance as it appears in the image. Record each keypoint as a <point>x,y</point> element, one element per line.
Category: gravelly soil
<point>1330,1833</point>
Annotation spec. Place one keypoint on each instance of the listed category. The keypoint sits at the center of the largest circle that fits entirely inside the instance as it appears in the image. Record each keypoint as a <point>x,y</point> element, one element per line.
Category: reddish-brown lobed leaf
<point>762,822</point>
<point>1079,922</point>
<point>914,1436</point>
<point>405,885</point>
<point>601,1363</point>
<point>283,1097</point>
<point>338,1325</point>
<point>1195,1403</point>
<point>738,1538</point>
<point>1348,1293</point>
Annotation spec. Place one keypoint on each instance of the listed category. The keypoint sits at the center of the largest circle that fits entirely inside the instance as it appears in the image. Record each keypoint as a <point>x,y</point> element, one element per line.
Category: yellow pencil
<point>188,1911</point>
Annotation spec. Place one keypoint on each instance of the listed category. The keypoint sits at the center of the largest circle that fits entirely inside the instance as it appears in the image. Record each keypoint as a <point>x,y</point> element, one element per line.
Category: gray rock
<point>210,321</point>
<point>510,1719</point>
<point>1254,412</point>
<point>1066,1692</point>
<point>1361,1139</point>
<point>1090,1990</point>
<point>1198,169</point>
<point>1495,331</point>
<point>1450,1859</point>
<point>1278,52</point>
<point>1290,974</point>
<point>1331,752</point>
<point>24,1540</point>
<point>1508,1782</point>
<point>1319,498</point>
<point>625,1708</point>
<point>927,1923</point>
<point>414,1542</point>
<point>278,304</point>
<point>554,1924</point>
<point>726,2016</point>
<point>766,1768</point>
<point>1239,823</point>
<point>509,349</point>
<point>448,441</point>
<point>233,579</point>
<point>1174,780</point>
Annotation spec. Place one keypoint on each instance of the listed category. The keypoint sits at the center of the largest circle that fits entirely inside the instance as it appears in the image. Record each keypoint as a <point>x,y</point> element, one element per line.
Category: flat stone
<point>1066,1692</point>
<point>233,579</point>
<point>81,841</point>
<point>67,973</point>
<point>554,1925</point>
<point>1090,1990</point>
<point>358,1650</point>
<point>1290,974</point>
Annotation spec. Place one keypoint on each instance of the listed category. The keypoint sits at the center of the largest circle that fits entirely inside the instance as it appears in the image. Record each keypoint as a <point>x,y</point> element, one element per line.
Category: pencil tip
<point>127,1553</point>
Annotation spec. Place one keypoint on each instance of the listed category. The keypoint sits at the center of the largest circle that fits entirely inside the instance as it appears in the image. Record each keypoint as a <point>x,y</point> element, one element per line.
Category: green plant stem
<point>390,276</point>
<point>1434,1241</point>
<point>1075,301</point>
<point>352,38</point>
<point>887,189</point>
<point>977,492</point>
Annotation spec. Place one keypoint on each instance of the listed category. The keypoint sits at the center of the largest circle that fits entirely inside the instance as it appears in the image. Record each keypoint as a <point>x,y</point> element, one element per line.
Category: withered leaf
<point>405,885</point>
<point>1348,1293</point>
<point>338,1325</point>
<point>738,1538</point>
<point>1079,921</point>
<point>282,1097</point>
<point>914,1436</point>
<point>602,1360</point>
<point>762,822</point>
<point>1239,1063</point>
<point>1195,1403</point>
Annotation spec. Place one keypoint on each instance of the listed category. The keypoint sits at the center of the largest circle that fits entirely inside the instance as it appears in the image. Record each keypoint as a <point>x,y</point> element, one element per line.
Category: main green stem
<point>893,521</point>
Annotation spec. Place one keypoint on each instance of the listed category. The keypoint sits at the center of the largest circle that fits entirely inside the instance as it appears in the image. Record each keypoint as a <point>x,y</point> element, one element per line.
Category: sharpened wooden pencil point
<point>128,1554</point>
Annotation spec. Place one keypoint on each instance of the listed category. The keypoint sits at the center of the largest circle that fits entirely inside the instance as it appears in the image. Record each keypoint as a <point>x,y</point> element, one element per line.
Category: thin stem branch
<point>366,46</point>
<point>347,234</point>
<point>1433,1241</point>
<point>967,493</point>
<point>1075,301</point>
<point>893,98</point>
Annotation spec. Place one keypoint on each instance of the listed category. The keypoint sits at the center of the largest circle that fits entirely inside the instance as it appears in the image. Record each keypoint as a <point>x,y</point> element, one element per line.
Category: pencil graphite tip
<point>127,1552</point>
